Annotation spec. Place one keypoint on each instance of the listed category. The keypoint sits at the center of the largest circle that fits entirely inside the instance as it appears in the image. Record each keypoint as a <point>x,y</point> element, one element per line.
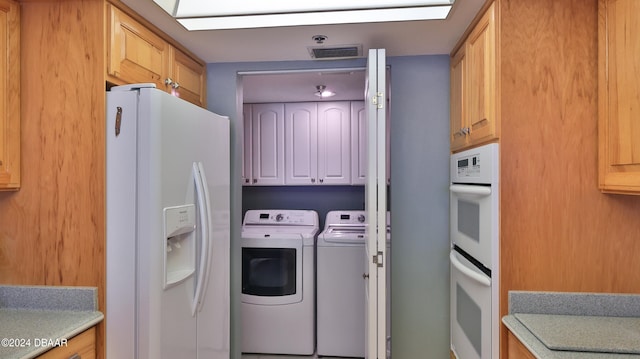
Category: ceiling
<point>291,43</point>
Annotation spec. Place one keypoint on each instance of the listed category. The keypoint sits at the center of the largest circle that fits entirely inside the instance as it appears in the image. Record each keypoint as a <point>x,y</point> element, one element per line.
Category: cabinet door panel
<point>457,106</point>
<point>268,144</point>
<point>9,95</point>
<point>301,143</point>
<point>619,96</point>
<point>247,145</point>
<point>480,57</point>
<point>358,143</point>
<point>334,143</point>
<point>188,75</point>
<point>136,55</point>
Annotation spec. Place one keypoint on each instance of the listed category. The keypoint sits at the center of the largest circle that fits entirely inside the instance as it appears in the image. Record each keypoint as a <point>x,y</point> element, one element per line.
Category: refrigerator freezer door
<point>169,135</point>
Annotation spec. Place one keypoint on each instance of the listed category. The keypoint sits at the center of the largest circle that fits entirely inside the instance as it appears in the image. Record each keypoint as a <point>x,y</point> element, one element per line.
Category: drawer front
<point>82,346</point>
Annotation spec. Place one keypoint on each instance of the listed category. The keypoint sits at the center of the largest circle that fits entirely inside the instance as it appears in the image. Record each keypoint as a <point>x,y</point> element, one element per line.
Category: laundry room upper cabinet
<point>9,95</point>
<point>267,144</point>
<point>473,86</point>
<point>318,143</point>
<point>301,143</point>
<point>136,54</point>
<point>619,96</point>
<point>334,143</point>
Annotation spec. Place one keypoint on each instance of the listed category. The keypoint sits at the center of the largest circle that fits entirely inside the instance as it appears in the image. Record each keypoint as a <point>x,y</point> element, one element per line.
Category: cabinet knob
<point>321,180</point>
<point>313,180</point>
<point>246,180</point>
<point>255,180</point>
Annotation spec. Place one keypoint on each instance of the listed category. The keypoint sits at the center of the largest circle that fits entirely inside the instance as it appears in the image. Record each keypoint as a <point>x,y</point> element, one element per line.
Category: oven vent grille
<point>335,52</point>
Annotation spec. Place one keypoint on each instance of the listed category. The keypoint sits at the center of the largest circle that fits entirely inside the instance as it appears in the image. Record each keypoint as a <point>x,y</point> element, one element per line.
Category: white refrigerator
<point>167,215</point>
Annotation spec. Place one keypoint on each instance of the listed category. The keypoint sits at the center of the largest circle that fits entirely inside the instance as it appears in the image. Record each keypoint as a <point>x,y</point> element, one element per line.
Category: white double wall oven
<point>474,256</point>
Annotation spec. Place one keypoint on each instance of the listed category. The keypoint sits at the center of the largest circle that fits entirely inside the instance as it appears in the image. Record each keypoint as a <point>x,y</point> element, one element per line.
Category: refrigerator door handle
<point>204,211</point>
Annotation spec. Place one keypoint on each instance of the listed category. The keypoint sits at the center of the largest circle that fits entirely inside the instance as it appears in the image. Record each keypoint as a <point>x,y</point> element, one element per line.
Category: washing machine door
<point>272,269</point>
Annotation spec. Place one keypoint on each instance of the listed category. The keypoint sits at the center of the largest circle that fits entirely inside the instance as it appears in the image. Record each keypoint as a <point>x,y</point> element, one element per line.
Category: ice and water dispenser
<point>180,236</point>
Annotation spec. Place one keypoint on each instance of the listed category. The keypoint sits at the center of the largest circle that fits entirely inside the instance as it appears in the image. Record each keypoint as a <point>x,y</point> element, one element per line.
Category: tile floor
<point>270,356</point>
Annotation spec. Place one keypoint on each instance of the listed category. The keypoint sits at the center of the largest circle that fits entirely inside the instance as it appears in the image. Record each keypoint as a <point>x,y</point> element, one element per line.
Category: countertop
<point>34,319</point>
<point>576,325</point>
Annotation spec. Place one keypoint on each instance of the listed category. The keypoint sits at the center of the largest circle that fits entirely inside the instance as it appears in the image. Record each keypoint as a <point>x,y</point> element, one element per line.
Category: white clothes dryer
<point>278,287</point>
<point>341,266</point>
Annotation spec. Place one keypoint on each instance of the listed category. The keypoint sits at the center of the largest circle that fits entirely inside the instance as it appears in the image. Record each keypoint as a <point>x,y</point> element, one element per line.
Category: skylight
<point>239,14</point>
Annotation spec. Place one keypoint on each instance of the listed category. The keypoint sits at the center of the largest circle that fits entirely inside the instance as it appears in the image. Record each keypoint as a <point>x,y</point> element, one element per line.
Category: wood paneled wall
<point>558,232</point>
<point>52,231</point>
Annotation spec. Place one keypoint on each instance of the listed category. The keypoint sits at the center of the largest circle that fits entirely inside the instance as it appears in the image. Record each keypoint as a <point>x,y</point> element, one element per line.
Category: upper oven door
<point>272,269</point>
<point>474,220</point>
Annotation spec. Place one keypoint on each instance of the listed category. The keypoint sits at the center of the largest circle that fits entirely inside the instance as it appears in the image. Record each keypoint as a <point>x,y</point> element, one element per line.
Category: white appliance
<point>278,287</point>
<point>341,273</point>
<point>167,227</point>
<point>474,254</point>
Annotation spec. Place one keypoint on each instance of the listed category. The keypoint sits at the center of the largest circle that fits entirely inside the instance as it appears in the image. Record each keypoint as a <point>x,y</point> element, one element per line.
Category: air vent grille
<point>335,52</point>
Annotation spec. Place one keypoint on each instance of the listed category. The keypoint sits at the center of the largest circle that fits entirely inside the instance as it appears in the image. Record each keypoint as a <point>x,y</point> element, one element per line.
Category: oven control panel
<point>476,166</point>
<point>469,166</point>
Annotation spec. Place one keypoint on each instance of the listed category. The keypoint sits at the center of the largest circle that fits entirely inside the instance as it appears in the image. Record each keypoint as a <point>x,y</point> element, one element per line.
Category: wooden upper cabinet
<point>136,54</point>
<point>188,81</point>
<point>457,98</point>
<point>473,86</point>
<point>9,95</point>
<point>619,96</point>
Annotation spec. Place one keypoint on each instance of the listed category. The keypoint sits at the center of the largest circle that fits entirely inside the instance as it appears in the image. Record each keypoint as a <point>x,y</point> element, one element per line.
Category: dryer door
<point>272,269</point>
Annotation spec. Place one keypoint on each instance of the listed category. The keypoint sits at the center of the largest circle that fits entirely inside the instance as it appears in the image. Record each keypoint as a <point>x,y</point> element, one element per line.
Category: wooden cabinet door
<point>301,143</point>
<point>9,95</point>
<point>481,81</point>
<point>516,350</point>
<point>81,346</point>
<point>334,143</point>
<point>135,53</point>
<point>457,106</point>
<point>267,122</point>
<point>187,78</point>
<point>619,96</point>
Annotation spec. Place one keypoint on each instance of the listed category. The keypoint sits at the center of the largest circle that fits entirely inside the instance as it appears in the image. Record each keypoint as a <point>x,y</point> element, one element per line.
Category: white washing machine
<point>340,292</point>
<point>278,288</point>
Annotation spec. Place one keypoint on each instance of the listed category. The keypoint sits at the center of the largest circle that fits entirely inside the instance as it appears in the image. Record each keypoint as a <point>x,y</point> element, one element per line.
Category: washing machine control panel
<point>345,217</point>
<point>281,217</point>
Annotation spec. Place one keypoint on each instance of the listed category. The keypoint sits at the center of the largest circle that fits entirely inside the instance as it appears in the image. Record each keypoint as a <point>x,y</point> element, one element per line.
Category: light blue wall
<point>420,206</point>
<point>419,195</point>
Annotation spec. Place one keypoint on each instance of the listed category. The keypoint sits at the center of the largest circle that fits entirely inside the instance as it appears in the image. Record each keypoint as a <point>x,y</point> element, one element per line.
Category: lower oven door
<point>272,269</point>
<point>470,310</point>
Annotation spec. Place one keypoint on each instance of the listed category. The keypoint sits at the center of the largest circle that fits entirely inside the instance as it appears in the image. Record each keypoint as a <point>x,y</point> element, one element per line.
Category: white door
<point>267,126</point>
<point>248,153</point>
<point>376,205</point>
<point>334,143</point>
<point>301,143</point>
<point>358,143</point>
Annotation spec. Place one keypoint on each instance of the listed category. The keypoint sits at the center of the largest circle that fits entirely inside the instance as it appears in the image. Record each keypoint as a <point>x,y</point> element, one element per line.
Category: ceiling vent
<point>335,52</point>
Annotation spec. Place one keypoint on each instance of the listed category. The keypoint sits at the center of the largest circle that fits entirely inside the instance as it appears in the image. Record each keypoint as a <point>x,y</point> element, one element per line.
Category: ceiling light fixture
<point>322,92</point>
<point>213,15</point>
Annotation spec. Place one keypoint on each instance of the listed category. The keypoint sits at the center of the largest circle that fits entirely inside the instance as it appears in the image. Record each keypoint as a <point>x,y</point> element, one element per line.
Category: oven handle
<point>468,272</point>
<point>479,191</point>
